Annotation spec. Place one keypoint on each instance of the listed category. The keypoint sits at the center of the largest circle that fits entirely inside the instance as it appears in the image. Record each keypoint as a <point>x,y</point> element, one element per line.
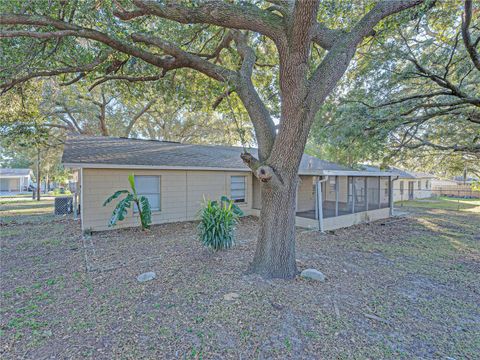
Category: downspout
<point>318,202</point>
<point>391,193</point>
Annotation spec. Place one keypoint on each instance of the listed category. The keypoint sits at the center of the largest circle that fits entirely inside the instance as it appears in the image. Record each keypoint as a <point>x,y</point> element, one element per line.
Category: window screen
<point>237,188</point>
<point>149,186</point>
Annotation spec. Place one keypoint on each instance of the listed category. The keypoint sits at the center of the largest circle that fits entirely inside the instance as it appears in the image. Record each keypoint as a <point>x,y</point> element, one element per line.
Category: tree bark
<point>275,250</point>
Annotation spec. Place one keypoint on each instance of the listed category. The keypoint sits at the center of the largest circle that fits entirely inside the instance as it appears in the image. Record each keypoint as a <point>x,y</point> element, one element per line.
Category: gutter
<point>391,193</point>
<point>148,167</point>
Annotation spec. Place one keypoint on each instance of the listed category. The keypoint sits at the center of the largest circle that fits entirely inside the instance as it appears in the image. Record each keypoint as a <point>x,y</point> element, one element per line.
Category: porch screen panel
<point>359,194</point>
<point>329,197</point>
<point>372,193</point>
<point>384,192</point>
<point>344,195</point>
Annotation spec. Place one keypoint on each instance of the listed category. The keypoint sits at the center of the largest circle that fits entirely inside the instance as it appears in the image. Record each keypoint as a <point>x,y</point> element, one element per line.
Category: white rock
<point>231,296</point>
<point>146,276</point>
<point>313,274</point>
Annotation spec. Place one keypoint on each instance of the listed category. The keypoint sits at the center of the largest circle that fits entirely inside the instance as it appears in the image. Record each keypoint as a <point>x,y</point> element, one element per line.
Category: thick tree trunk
<point>275,251</point>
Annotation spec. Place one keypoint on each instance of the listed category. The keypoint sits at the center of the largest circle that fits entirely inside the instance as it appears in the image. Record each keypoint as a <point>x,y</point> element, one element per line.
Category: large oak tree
<point>152,31</point>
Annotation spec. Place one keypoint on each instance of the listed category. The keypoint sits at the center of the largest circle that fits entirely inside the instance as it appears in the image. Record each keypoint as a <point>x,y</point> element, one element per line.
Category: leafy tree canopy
<point>411,98</point>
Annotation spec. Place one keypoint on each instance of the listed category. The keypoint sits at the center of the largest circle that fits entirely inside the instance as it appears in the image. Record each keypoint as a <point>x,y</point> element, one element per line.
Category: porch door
<point>410,190</point>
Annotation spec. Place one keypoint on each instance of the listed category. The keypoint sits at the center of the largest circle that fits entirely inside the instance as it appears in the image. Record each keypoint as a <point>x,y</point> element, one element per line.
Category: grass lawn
<point>407,289</point>
<point>446,203</point>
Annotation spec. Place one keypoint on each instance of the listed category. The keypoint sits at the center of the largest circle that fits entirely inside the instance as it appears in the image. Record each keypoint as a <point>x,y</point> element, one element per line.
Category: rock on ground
<point>146,276</point>
<point>313,274</point>
<point>231,296</point>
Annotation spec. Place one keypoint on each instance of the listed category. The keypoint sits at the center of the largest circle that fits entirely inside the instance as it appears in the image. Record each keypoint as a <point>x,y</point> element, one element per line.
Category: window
<point>419,184</point>
<point>237,188</point>
<point>401,187</point>
<point>427,184</point>
<point>149,186</point>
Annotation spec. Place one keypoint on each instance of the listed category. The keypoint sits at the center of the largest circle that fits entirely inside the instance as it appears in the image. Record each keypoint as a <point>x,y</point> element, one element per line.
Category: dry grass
<point>408,289</point>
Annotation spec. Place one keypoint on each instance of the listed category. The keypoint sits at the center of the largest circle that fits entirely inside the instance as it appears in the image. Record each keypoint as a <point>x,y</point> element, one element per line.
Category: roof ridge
<point>153,140</point>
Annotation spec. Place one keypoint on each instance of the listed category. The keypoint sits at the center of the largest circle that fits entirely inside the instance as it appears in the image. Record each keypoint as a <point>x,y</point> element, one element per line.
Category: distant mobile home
<point>177,177</point>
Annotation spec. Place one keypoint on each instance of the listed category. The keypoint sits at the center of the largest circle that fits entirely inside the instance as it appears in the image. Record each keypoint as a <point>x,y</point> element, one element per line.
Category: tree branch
<point>78,31</point>
<point>37,34</point>
<point>44,73</point>
<point>325,37</point>
<point>215,12</point>
<point>469,45</point>
<point>182,58</point>
<point>338,58</point>
<point>264,173</point>
<point>125,78</point>
<point>257,111</point>
<point>138,116</point>
<point>472,148</point>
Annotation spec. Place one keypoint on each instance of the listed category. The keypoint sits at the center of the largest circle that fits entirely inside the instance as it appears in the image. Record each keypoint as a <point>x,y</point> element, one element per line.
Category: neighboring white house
<point>408,185</point>
<point>15,180</point>
<point>177,177</point>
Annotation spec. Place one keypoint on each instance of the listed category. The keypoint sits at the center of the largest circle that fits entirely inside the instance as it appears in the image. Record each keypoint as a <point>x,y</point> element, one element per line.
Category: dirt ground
<point>406,288</point>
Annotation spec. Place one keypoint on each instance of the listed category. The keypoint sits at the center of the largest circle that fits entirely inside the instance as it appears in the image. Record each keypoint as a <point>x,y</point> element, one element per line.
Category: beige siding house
<point>178,177</point>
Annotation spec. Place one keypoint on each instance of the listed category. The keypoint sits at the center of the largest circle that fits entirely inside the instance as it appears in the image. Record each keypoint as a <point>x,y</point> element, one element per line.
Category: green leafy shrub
<point>217,223</point>
<point>121,210</point>
<point>476,186</point>
<point>60,191</point>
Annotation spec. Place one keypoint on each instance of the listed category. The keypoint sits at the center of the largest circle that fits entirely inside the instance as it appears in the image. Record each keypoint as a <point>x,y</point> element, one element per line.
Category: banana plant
<point>121,210</point>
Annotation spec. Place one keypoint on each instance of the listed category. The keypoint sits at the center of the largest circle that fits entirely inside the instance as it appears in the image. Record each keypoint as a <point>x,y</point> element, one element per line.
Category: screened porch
<point>334,196</point>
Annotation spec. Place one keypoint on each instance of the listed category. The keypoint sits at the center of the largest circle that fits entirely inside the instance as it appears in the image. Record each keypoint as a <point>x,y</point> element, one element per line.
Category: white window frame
<point>139,193</point>
<point>237,201</point>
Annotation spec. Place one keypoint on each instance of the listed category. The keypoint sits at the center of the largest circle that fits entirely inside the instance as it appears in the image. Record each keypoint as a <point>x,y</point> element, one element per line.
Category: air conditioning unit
<point>63,205</point>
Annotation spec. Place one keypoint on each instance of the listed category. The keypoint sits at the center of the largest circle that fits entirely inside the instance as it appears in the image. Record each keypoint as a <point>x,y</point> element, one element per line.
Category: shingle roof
<point>407,174</point>
<point>100,150</point>
<point>14,172</point>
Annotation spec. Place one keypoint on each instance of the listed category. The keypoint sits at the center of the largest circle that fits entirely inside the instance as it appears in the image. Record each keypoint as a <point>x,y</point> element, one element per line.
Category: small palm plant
<point>217,223</point>
<point>123,205</point>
